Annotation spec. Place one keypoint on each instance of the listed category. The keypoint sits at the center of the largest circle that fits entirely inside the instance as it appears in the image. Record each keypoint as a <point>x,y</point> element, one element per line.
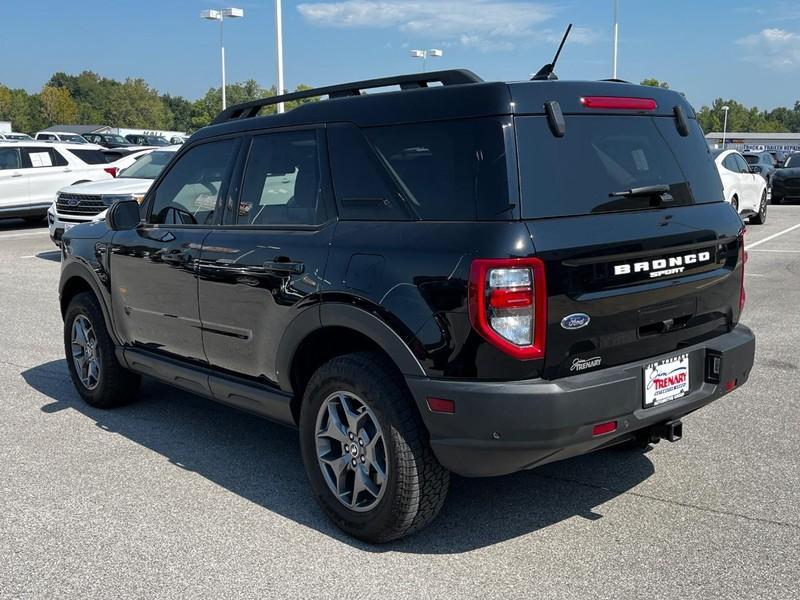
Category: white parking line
<point>19,235</point>
<point>771,250</point>
<point>771,237</point>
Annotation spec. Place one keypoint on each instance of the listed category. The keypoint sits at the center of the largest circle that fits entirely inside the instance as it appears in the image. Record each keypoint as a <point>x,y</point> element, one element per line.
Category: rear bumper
<point>781,190</point>
<point>503,427</point>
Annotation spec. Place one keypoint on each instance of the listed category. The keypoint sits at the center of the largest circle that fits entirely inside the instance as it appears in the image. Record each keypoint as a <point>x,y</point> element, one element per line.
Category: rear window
<point>92,157</point>
<point>601,157</point>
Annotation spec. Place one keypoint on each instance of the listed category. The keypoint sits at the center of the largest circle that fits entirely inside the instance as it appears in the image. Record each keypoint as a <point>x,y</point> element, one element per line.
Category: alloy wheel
<point>351,451</point>
<point>85,352</point>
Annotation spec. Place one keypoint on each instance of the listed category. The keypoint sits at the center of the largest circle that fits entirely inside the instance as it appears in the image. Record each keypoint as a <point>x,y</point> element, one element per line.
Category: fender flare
<point>350,317</point>
<point>74,270</point>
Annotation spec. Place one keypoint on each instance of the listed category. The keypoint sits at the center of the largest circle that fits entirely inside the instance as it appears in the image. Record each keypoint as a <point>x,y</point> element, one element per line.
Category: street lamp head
<point>418,54</point>
<point>435,52</point>
<point>211,15</point>
<point>233,13</point>
<point>726,108</point>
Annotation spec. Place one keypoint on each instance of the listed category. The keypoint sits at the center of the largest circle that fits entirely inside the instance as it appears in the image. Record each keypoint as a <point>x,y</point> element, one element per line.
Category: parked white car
<point>32,172</point>
<point>89,202</point>
<point>60,136</point>
<point>14,136</point>
<point>745,190</point>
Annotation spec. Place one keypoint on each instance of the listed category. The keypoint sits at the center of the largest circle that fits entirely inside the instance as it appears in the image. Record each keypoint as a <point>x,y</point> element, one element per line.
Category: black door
<point>266,264</point>
<point>154,267</point>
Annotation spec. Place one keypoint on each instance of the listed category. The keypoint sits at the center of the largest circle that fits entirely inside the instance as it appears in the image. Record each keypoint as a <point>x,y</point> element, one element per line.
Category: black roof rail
<point>251,109</point>
<point>615,80</point>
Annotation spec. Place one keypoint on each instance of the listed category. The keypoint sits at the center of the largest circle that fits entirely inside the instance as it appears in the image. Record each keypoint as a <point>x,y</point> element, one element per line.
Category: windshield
<point>72,138</point>
<point>116,139</point>
<point>153,140</point>
<point>612,163</point>
<point>148,166</point>
<point>18,136</point>
<point>751,159</point>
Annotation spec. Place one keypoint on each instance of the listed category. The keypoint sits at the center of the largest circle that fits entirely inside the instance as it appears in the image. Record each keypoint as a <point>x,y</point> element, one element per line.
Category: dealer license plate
<point>666,380</point>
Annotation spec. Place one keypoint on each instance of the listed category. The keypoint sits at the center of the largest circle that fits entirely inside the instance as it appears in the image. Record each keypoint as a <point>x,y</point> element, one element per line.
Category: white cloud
<point>482,24</point>
<point>776,48</point>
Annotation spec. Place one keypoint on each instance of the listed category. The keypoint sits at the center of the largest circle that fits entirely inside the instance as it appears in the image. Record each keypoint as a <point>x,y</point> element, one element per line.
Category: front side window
<point>729,162</point>
<point>9,159</point>
<point>740,162</point>
<point>188,193</point>
<point>282,181</point>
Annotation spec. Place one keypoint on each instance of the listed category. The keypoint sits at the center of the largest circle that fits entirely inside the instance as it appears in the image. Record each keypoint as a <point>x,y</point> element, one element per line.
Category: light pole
<point>725,108</point>
<point>424,54</point>
<point>219,15</point>
<point>616,41</point>
<point>279,51</point>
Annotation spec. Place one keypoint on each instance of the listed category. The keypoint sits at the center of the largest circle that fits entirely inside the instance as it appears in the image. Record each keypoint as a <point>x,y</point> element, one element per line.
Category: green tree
<point>740,118</point>
<point>179,112</point>
<point>57,106</point>
<point>655,83</point>
<point>135,104</point>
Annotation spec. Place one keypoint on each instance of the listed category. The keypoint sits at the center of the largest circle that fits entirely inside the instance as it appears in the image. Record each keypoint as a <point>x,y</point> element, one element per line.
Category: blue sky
<point>746,50</point>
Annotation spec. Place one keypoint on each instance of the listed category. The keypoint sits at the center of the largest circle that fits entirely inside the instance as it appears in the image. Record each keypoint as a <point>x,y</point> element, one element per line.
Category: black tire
<point>115,385</point>
<point>761,216</point>
<point>416,484</point>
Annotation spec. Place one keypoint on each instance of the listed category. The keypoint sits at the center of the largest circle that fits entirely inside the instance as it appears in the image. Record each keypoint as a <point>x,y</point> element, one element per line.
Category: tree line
<point>741,118</point>
<point>88,98</point>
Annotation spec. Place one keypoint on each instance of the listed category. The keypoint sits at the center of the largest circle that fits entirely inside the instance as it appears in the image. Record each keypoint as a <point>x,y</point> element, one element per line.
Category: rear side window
<point>448,170</point>
<point>602,156</point>
<point>91,157</point>
<point>42,157</point>
<point>282,181</point>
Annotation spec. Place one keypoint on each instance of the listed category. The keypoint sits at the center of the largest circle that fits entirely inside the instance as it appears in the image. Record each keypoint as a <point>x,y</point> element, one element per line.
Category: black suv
<point>466,277</point>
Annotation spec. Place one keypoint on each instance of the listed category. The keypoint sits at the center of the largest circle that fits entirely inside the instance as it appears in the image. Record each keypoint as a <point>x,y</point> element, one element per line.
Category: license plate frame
<point>665,380</point>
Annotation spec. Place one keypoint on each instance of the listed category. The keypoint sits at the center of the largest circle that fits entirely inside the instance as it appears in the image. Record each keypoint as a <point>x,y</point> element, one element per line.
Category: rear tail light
<point>111,171</point>
<point>508,304</point>
<point>743,257</point>
<point>619,103</point>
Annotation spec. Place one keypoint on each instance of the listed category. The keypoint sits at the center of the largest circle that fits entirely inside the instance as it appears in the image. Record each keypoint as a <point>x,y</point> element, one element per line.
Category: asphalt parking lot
<point>176,496</point>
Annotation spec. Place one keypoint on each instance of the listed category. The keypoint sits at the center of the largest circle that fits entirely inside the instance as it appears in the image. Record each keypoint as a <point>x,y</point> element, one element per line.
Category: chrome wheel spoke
<point>335,429</point>
<point>339,466</point>
<point>84,352</point>
<point>354,418</point>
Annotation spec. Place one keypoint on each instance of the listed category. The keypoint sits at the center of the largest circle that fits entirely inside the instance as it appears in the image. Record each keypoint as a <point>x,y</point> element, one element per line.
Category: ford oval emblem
<point>575,321</point>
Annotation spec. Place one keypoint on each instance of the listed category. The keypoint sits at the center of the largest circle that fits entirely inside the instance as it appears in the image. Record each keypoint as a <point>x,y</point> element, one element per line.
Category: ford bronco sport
<point>465,277</point>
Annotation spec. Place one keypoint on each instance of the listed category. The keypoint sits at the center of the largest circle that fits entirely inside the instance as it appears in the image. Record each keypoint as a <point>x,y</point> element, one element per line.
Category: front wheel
<point>366,451</point>
<point>761,216</point>
<point>95,371</point>
<point>735,204</point>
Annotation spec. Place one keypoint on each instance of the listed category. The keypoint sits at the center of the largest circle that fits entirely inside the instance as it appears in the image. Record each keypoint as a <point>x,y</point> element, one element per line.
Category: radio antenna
<point>547,72</point>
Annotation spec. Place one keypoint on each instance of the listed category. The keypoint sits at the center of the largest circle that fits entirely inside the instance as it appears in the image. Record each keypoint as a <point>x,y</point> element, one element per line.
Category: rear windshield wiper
<point>658,196</point>
<point>646,190</point>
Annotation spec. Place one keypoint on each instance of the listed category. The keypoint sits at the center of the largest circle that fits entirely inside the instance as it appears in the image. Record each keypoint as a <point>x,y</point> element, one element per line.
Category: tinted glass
<point>601,157</point>
<point>729,162</point>
<point>446,170</point>
<point>156,141</point>
<point>42,157</point>
<point>188,193</point>
<point>792,161</point>
<point>282,181</point>
<point>751,159</point>
<point>9,159</point>
<point>91,157</point>
<point>364,190</point>
<point>74,139</point>
<point>148,166</point>
<point>740,162</point>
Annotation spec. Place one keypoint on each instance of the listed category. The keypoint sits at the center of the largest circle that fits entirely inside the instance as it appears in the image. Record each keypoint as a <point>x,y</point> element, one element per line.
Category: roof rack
<point>251,109</point>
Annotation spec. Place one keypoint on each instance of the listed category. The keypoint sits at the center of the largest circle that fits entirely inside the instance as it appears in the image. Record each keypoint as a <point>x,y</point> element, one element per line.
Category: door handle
<point>16,174</point>
<point>67,170</point>
<point>284,266</point>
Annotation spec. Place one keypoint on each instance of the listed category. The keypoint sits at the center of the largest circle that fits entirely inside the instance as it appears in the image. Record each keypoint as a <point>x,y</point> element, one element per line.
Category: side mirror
<point>755,170</point>
<point>123,215</point>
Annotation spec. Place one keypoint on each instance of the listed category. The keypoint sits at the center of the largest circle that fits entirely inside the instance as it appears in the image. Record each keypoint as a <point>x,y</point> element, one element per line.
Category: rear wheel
<point>95,371</point>
<point>366,451</point>
<point>761,216</point>
<point>735,204</point>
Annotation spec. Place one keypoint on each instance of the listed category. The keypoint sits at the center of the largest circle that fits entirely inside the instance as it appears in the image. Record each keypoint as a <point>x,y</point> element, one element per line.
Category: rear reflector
<point>441,405</point>
<point>618,103</point>
<point>730,385</point>
<point>604,428</point>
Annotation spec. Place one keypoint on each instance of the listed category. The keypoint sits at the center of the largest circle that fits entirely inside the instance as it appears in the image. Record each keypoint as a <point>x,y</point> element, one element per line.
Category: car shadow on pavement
<point>54,255</point>
<point>22,225</point>
<point>260,461</point>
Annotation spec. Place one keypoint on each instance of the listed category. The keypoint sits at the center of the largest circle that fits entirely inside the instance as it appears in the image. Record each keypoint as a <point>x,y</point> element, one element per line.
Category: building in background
<point>786,142</point>
<point>5,127</point>
<point>80,129</point>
